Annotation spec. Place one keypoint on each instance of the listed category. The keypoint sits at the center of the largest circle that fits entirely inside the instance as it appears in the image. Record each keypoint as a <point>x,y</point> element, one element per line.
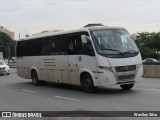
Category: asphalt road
<point>18,94</point>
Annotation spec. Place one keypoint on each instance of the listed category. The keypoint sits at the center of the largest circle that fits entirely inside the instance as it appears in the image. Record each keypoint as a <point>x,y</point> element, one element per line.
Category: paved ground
<point>18,94</point>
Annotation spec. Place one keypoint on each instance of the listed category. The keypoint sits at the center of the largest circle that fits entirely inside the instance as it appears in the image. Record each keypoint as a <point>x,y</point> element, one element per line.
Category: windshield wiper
<point>113,50</point>
<point>130,51</point>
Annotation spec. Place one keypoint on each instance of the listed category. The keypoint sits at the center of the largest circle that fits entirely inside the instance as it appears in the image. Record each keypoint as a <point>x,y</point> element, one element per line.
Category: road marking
<point>158,90</point>
<point>121,108</point>
<point>67,98</point>
<point>29,91</point>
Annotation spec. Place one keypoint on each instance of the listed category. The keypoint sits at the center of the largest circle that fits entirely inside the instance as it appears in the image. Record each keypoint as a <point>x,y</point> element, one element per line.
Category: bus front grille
<point>125,68</point>
<point>126,77</point>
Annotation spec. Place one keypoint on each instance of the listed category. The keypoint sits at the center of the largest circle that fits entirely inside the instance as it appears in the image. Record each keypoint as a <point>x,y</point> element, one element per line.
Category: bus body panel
<point>73,69</point>
<point>125,61</point>
<point>110,78</point>
<point>88,64</point>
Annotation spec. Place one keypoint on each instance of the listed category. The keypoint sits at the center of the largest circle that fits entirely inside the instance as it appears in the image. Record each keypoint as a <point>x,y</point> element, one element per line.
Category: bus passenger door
<point>73,69</point>
<point>73,58</point>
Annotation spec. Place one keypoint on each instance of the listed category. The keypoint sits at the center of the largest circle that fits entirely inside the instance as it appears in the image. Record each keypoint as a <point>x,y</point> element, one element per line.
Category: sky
<point>34,16</point>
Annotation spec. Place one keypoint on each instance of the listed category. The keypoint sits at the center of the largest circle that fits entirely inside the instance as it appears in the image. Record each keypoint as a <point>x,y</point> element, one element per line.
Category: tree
<point>7,42</point>
<point>149,44</point>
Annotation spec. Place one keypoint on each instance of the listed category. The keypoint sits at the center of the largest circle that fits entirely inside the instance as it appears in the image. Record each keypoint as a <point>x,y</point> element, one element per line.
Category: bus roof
<point>47,34</point>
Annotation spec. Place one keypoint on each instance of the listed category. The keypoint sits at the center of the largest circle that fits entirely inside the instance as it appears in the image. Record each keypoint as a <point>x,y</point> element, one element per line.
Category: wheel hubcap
<point>87,83</point>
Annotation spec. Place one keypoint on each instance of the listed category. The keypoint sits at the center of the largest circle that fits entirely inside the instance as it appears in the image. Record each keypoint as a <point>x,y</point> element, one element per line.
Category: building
<point>8,32</point>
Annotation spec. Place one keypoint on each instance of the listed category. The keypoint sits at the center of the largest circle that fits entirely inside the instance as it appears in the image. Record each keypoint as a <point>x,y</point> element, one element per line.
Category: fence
<point>12,65</point>
<point>151,71</point>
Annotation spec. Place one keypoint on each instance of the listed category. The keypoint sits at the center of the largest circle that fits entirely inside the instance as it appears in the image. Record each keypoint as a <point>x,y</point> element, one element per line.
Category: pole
<point>19,35</point>
<point>8,53</point>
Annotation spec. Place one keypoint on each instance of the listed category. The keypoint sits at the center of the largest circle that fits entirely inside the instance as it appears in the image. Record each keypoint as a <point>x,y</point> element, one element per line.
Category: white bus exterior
<point>92,57</point>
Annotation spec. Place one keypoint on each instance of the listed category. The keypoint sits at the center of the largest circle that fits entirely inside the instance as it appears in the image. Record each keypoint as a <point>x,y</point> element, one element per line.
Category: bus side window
<point>60,45</point>
<point>20,48</point>
<point>73,44</point>
<point>87,48</point>
<point>48,46</point>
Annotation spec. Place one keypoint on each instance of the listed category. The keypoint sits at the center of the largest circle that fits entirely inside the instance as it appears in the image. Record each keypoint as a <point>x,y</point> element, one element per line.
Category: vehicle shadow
<point>76,88</point>
<point>69,89</point>
<point>109,90</point>
<point>3,75</point>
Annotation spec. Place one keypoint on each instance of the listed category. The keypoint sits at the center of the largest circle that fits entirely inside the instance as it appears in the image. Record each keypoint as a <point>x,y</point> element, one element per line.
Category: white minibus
<point>95,56</point>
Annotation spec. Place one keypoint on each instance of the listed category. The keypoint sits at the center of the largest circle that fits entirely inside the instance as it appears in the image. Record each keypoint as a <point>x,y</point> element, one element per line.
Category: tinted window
<point>87,48</point>
<point>52,45</point>
<point>48,46</point>
<point>20,48</point>
<point>74,44</point>
<point>29,48</point>
<point>61,45</point>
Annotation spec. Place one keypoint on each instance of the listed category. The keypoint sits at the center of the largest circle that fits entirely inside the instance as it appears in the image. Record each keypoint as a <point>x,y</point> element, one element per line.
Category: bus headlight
<point>106,68</point>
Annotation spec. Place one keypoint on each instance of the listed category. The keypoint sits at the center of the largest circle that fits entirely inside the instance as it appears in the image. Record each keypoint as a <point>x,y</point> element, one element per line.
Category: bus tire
<point>35,80</point>
<point>87,83</point>
<point>127,86</point>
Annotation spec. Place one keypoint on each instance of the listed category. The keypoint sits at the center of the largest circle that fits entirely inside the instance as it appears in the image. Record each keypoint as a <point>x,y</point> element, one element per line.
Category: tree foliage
<point>149,44</point>
<point>7,42</point>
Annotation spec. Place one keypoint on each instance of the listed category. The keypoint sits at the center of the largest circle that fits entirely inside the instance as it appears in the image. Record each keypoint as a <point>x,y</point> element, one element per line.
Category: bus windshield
<point>114,43</point>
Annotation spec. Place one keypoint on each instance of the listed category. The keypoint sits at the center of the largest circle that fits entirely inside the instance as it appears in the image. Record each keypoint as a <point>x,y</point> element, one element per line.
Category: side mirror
<point>84,38</point>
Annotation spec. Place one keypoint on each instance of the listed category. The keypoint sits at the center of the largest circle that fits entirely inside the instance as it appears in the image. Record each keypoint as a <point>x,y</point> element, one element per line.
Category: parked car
<point>147,60</point>
<point>6,61</point>
<point>13,59</point>
<point>4,68</point>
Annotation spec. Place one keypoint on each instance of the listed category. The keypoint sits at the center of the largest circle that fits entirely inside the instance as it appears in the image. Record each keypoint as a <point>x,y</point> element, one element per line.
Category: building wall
<point>8,32</point>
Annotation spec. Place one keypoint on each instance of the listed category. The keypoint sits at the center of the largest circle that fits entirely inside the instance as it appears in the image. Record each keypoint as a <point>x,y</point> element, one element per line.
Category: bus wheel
<point>87,83</point>
<point>127,86</point>
<point>35,80</point>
